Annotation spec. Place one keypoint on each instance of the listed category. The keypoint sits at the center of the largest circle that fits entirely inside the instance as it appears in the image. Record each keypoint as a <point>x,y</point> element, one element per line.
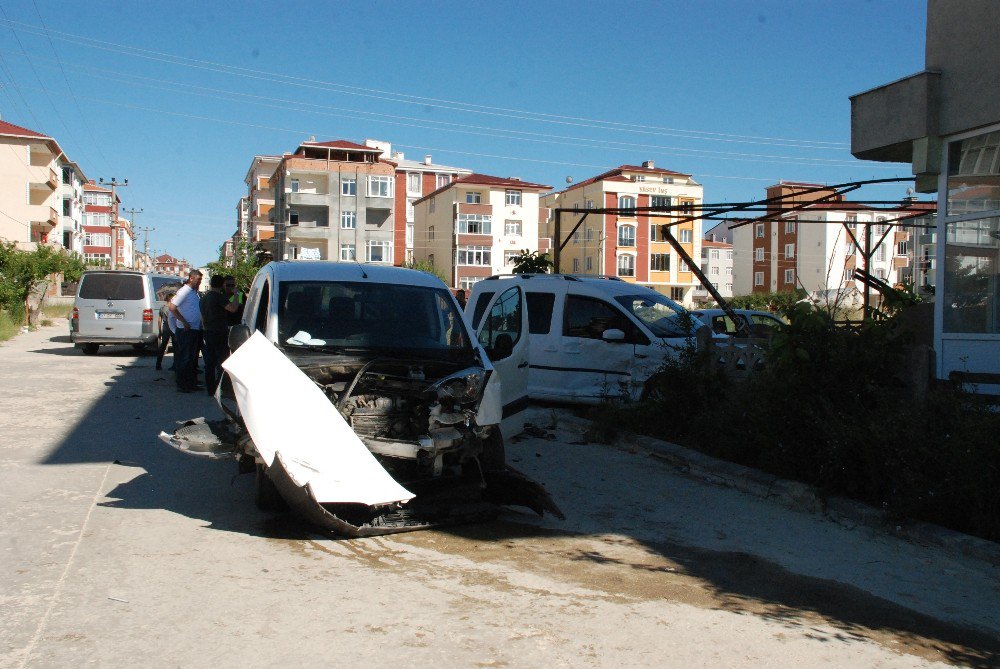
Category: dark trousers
<point>216,350</point>
<point>166,335</point>
<point>187,342</point>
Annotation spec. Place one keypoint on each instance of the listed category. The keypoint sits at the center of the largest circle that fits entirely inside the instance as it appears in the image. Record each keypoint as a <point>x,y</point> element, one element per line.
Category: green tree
<point>247,259</point>
<point>26,275</point>
<point>425,266</point>
<point>531,262</point>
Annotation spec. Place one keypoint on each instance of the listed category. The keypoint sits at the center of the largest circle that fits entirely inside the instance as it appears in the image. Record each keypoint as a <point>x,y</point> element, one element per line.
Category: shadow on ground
<point>121,428</point>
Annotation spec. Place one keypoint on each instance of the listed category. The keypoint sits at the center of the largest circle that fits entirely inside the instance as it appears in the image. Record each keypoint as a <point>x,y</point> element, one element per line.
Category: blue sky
<point>179,96</point>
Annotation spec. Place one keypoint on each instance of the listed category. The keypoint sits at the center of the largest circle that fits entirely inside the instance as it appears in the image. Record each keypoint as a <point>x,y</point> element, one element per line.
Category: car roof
<point>328,270</point>
<point>574,284</point>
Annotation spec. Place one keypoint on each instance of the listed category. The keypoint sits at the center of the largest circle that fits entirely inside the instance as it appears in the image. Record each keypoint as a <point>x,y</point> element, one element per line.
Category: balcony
<point>885,121</point>
<point>301,199</point>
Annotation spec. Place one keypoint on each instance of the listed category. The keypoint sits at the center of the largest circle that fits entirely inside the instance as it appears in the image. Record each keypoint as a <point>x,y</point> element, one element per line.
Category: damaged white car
<point>364,401</point>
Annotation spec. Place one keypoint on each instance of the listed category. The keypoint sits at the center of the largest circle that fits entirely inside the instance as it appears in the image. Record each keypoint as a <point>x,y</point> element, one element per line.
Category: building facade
<point>255,211</point>
<point>945,122</point>
<point>168,264</point>
<point>471,228</point>
<point>632,246</point>
<point>334,201</point>
<point>100,220</point>
<point>717,265</point>
<point>811,249</point>
<point>31,193</point>
<point>414,179</point>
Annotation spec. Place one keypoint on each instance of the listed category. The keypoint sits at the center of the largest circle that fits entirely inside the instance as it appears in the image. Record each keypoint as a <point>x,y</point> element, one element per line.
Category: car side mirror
<point>238,334</point>
<point>614,334</point>
<point>503,347</point>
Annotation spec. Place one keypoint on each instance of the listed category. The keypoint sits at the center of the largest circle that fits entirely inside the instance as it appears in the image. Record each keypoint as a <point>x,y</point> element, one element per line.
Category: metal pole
<point>867,257</point>
<point>556,241</point>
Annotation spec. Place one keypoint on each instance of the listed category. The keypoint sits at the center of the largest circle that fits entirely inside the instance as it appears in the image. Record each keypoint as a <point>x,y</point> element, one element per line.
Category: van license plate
<point>106,315</point>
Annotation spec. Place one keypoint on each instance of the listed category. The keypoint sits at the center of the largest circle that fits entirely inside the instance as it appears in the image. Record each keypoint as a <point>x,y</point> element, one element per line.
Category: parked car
<point>761,323</point>
<point>334,355</point>
<point>114,307</point>
<point>590,338</point>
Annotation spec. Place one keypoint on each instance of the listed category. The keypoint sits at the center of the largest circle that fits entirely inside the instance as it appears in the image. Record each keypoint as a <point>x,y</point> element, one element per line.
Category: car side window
<point>502,328</point>
<point>588,318</point>
<point>540,312</point>
<point>758,319</point>
<point>263,306</point>
<point>477,314</point>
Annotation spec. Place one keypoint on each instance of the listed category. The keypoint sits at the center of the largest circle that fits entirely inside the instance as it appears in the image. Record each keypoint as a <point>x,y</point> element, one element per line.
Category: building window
<point>378,251</point>
<point>729,255</point>
<point>589,264</point>
<point>295,185</point>
<point>789,251</point>
<point>576,265</point>
<point>509,256</point>
<point>659,201</point>
<point>430,232</point>
<point>677,294</point>
<point>789,276</point>
<point>588,204</point>
<point>409,235</point>
<point>431,206</point>
<point>659,262</point>
<point>657,232</point>
<point>96,239</point>
<point>758,254</point>
<point>729,271</point>
<point>413,183</point>
<point>348,220</point>
<point>379,186</point>
<point>714,271</point>
<point>347,252</point>
<point>479,256</point>
<point>758,231</point>
<point>293,218</point>
<point>442,180</point>
<point>758,278</point>
<point>729,287</point>
<point>473,197</point>
<point>901,249</point>
<point>67,207</point>
<point>512,198</point>
<point>880,253</point>
<point>626,235</point>
<point>626,265</point>
<point>349,187</point>
<point>467,282</point>
<point>686,236</point>
<point>475,224</point>
<point>409,209</point>
<point>512,228</point>
<point>789,226</point>
<point>713,254</point>
<point>626,202</point>
<point>852,221</point>
<point>588,234</point>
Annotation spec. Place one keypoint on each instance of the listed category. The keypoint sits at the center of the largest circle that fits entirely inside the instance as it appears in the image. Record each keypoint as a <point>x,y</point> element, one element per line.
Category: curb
<point>791,494</point>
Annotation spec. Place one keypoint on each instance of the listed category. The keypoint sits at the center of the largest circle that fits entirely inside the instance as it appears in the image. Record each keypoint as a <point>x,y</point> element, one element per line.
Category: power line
<point>403,98</point>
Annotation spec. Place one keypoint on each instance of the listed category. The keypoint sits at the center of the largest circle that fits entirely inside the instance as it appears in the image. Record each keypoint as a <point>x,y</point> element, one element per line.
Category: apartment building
<point>100,225</point>
<point>71,219</point>
<point>811,248</point>
<point>717,265</point>
<point>334,200</point>
<point>255,221</point>
<point>632,245</point>
<point>471,228</point>
<point>168,264</point>
<point>414,179</point>
<point>30,187</point>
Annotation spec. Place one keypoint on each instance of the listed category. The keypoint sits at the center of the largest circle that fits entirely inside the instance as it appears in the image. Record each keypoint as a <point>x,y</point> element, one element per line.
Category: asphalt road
<point>116,550</point>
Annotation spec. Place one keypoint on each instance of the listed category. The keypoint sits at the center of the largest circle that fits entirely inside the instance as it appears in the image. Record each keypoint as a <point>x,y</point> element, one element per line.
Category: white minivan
<point>590,338</point>
<point>114,307</point>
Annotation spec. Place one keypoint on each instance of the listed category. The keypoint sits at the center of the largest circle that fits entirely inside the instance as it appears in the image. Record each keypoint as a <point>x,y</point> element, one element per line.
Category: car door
<point>593,368</point>
<point>503,333</point>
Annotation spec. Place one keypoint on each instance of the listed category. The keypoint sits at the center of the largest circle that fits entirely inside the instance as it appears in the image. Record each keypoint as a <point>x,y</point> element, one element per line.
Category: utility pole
<point>114,183</point>
<point>133,212</point>
<point>145,244</point>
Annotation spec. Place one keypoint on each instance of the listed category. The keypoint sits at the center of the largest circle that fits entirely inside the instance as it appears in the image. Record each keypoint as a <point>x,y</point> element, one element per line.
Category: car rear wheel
<point>268,498</point>
<point>89,349</point>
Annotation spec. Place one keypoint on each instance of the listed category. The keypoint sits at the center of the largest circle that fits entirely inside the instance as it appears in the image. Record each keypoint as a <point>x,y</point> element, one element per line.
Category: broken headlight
<point>462,387</point>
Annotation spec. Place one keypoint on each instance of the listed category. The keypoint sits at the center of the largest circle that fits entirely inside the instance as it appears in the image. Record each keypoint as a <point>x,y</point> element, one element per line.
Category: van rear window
<point>112,286</point>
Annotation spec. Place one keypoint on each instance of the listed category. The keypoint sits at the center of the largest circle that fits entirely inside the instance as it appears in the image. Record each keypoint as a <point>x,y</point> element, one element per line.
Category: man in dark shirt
<point>217,309</point>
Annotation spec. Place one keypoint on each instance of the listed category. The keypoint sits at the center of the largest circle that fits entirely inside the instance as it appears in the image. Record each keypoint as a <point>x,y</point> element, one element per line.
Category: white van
<point>113,307</point>
<point>590,338</point>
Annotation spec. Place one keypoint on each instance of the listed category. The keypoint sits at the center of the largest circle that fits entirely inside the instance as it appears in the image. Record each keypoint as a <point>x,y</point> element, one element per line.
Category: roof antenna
<point>364,275</point>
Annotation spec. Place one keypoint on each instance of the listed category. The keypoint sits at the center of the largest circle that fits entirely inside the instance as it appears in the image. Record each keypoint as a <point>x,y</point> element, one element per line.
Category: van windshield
<point>355,315</point>
<point>112,286</point>
<point>663,317</point>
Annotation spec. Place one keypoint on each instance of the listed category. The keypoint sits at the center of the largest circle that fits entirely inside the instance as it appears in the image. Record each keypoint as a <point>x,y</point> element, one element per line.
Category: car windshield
<point>353,315</point>
<point>663,317</point>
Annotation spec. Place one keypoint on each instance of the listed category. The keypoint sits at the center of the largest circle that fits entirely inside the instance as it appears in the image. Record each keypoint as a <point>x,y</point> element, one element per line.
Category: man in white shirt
<point>185,321</point>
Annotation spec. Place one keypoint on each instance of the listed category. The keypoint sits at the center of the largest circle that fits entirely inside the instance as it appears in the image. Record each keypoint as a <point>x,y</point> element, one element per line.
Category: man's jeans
<point>216,351</point>
<point>186,345</point>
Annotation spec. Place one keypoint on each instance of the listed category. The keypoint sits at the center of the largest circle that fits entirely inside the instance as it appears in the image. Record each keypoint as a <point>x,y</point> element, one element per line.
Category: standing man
<point>216,310</point>
<point>185,308</point>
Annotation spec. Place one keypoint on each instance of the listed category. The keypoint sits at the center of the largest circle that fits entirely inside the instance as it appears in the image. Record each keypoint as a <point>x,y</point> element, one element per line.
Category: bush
<point>831,410</point>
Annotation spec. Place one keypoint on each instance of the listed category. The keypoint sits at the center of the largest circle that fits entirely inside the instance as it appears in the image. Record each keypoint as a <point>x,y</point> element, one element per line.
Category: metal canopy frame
<point>722,211</point>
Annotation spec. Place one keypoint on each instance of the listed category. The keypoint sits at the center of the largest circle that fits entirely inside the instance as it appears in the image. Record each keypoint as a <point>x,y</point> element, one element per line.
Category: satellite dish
<point>569,180</point>
<point>909,192</point>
